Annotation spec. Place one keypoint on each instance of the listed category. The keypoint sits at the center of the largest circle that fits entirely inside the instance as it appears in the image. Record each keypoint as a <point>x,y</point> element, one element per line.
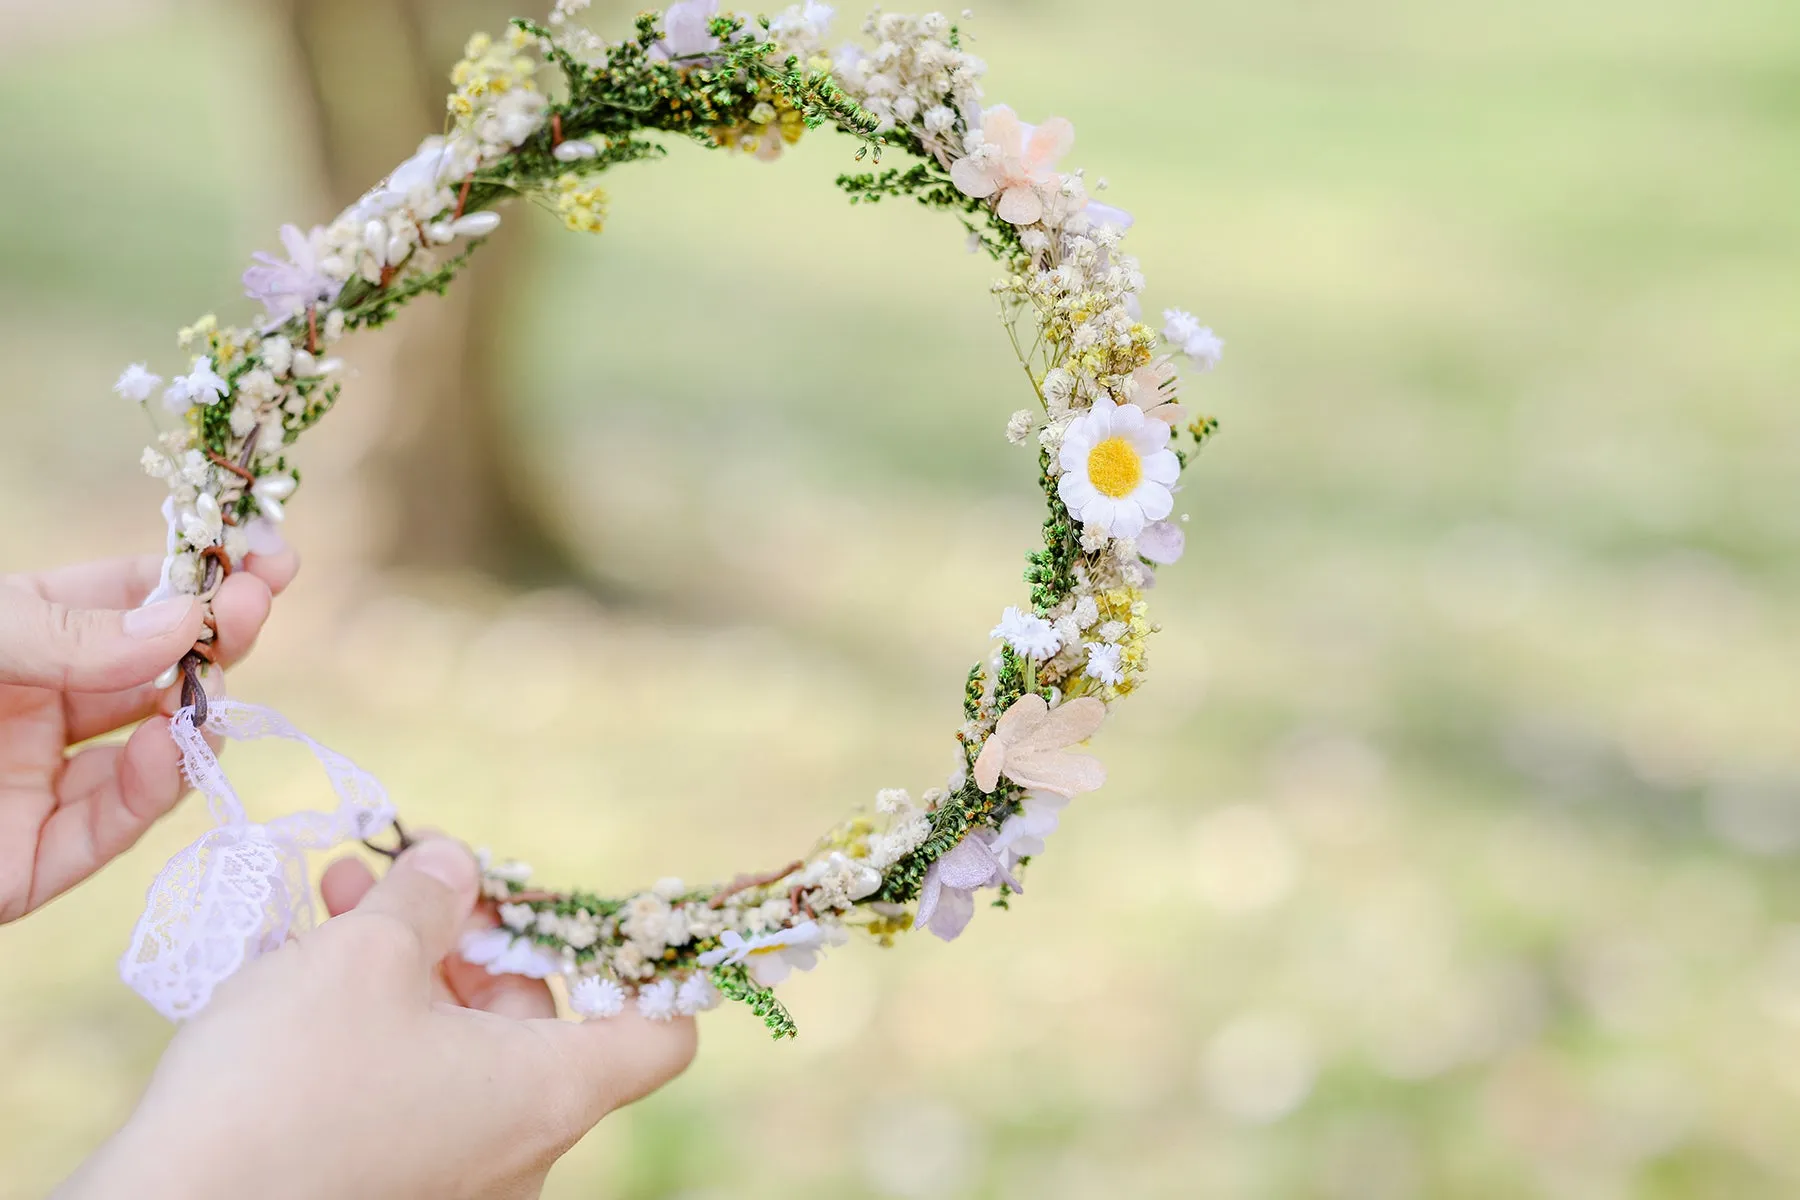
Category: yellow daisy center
<point>1115,467</point>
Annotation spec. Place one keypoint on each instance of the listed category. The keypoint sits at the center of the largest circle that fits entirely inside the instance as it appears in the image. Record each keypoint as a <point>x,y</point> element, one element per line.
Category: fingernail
<point>444,860</point>
<point>165,616</point>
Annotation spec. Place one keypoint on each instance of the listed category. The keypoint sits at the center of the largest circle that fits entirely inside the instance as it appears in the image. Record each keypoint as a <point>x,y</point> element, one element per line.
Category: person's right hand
<point>363,1059</point>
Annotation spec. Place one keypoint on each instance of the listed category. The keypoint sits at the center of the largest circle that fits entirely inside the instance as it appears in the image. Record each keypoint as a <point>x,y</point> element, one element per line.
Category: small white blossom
<point>1029,635</point>
<point>277,354</point>
<point>656,1001</point>
<point>136,382</point>
<point>517,917</point>
<point>696,995</point>
<point>593,996</point>
<point>1018,428</point>
<point>1198,342</point>
<point>1103,663</point>
<point>892,800</point>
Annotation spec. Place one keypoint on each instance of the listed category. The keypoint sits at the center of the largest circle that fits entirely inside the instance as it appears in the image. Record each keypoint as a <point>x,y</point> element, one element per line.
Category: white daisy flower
<point>1117,469</point>
<point>771,957</point>
<point>593,996</point>
<point>1030,636</point>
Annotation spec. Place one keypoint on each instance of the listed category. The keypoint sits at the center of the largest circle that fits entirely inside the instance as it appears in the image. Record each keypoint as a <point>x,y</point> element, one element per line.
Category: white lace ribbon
<point>241,889</point>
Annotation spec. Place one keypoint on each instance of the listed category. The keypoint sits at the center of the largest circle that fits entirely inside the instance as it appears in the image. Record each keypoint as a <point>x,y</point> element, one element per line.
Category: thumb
<point>48,645</point>
<point>610,1062</point>
<point>428,893</point>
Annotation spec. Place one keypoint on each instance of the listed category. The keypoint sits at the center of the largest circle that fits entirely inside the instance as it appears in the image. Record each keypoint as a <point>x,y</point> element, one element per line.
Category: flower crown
<point>1112,441</point>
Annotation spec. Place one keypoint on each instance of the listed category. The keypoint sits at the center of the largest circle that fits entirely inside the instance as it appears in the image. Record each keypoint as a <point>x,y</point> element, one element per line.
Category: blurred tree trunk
<point>446,466</point>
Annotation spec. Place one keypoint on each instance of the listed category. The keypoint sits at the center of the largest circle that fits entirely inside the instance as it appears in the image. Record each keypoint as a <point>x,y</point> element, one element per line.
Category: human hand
<point>359,1061</point>
<point>77,660</point>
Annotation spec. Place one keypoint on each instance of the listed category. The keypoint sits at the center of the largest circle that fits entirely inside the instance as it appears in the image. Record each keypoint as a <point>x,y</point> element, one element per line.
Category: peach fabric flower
<point>1029,747</point>
<point>1016,160</point>
<point>1154,391</point>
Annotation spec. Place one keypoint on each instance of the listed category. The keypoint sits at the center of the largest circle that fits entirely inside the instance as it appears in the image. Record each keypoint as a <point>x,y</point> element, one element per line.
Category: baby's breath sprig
<point>540,113</point>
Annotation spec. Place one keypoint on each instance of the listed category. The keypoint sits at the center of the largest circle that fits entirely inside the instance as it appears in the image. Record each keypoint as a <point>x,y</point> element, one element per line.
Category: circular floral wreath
<point>1108,428</point>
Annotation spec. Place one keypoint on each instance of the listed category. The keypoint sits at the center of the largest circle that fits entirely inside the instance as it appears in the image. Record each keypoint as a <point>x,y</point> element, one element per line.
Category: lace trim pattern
<point>240,890</point>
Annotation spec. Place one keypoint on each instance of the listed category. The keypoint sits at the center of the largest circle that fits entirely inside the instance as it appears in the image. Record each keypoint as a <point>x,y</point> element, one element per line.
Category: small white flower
<point>202,383</point>
<point>656,1001</point>
<point>202,524</point>
<point>887,800</point>
<point>1198,342</point>
<point>593,996</point>
<point>1018,428</point>
<point>1180,325</point>
<point>244,418</point>
<point>517,917</point>
<point>1103,663</point>
<point>1029,635</point>
<point>176,398</point>
<point>1205,349</point>
<point>136,382</point>
<point>696,995</point>
<point>277,354</point>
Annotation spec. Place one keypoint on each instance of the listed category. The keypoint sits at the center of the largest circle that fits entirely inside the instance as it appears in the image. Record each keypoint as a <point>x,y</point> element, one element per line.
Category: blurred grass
<point>1450,852</point>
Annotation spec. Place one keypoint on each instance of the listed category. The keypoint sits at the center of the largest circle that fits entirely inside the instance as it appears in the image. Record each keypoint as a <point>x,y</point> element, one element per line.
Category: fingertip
<point>626,1057</point>
<point>344,884</point>
<point>150,781</point>
<point>446,860</point>
<point>276,568</point>
<point>240,610</point>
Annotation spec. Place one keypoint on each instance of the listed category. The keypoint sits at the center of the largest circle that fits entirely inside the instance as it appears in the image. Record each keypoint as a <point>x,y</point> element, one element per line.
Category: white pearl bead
<point>167,678</point>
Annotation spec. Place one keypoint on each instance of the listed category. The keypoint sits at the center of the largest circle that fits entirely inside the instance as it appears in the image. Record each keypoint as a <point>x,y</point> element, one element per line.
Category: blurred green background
<point>1449,852</point>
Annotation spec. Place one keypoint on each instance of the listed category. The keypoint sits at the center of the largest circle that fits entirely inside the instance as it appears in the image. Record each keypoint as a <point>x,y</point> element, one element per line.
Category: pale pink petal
<point>1049,142</point>
<point>1000,127</point>
<point>1057,771</point>
<point>1068,723</point>
<point>1022,717</point>
<point>990,762</point>
<point>1162,542</point>
<point>1020,205</point>
<point>973,178</point>
<point>929,892</point>
<point>952,913</point>
<point>968,864</point>
<point>1168,412</point>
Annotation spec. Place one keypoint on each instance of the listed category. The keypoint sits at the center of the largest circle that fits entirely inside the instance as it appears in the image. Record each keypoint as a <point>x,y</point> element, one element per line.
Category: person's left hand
<point>77,660</point>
